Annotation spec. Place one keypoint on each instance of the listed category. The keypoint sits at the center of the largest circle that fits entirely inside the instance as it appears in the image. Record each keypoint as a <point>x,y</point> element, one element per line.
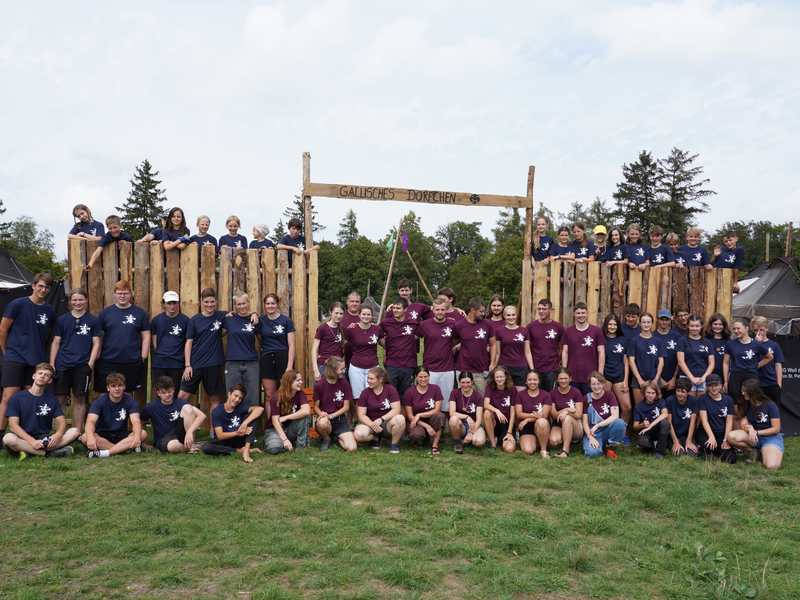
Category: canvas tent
<point>12,274</point>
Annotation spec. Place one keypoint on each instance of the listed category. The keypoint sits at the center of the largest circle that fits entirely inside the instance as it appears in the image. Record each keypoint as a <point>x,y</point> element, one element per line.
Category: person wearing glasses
<point>77,339</point>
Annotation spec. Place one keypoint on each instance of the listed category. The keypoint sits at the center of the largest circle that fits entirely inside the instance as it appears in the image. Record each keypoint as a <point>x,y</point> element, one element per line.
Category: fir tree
<point>297,211</point>
<point>681,190</point>
<point>509,224</point>
<point>3,226</point>
<point>348,232</point>
<point>637,196</point>
<point>140,213</point>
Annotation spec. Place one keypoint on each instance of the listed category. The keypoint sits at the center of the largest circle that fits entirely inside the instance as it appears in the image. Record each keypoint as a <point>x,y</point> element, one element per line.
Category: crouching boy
<point>107,430</point>
<point>174,420</point>
<point>232,423</point>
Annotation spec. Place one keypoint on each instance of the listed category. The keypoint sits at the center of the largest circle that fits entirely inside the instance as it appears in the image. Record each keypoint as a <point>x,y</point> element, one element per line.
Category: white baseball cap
<point>171,297</point>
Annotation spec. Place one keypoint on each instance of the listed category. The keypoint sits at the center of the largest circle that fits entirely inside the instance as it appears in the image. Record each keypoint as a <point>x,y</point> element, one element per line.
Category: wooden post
<point>767,260</point>
<point>666,289</point>
<point>581,282</point>
<point>308,229</point>
<point>94,282</point>
<point>697,289</point>
<point>556,269</point>
<point>425,285</point>
<point>225,279</point>
<point>190,284</point>
<point>110,273</point>
<point>253,279</point>
<point>283,281</point>
<point>156,278</point>
<point>208,268</point>
<point>173,268</point>
<point>524,315</point>
<point>268,271</point>
<point>397,242</point>
<point>76,251</point>
<point>725,292</point>
<point>680,289</point>
<point>299,314</point>
<point>239,282</point>
<point>606,286</point>
<point>125,261</point>
<point>711,294</point>
<point>141,279</point>
<point>618,289</point>
<point>313,305</point>
<point>593,293</point>
<point>635,277</point>
<point>653,284</point>
<point>539,287</point>
<point>789,238</point>
<point>568,295</point>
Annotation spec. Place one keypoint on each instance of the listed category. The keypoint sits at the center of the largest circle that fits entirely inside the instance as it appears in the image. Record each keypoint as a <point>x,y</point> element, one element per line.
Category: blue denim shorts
<point>770,440</point>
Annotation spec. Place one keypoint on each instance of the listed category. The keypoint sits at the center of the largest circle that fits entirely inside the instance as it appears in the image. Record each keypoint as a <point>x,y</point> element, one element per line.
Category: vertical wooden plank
<point>556,270</point>
<point>710,300</point>
<point>268,282</point>
<point>173,269</point>
<point>224,289</point>
<point>299,300</point>
<point>239,278</point>
<point>619,289</point>
<point>313,305</point>
<point>141,279</point>
<point>680,286</point>
<point>666,286</point>
<point>125,261</point>
<point>539,287</point>
<point>190,280</point>
<point>606,287</point>
<point>653,287</point>
<point>208,268</point>
<point>525,300</point>
<point>581,282</point>
<point>283,282</point>
<point>697,289</point>
<point>110,273</point>
<point>725,292</point>
<point>645,288</point>
<point>593,293</point>
<point>254,279</point>
<point>568,293</point>
<point>76,258</point>
<point>156,279</point>
<point>635,279</point>
<point>94,282</point>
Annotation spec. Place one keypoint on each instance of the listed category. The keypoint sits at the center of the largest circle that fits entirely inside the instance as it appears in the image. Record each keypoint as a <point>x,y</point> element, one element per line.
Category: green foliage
<point>359,264</point>
<point>278,231</point>
<point>597,213</point>
<point>33,248</point>
<point>510,223</point>
<point>348,231</point>
<point>466,281</point>
<point>4,226</point>
<point>637,195</point>
<point>458,239</point>
<point>681,190</point>
<point>425,254</point>
<point>297,211</point>
<point>140,213</point>
<point>501,272</point>
<point>753,240</point>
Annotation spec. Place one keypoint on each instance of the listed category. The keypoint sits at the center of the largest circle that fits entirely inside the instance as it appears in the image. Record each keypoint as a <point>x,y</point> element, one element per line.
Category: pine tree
<point>637,197</point>
<point>3,226</point>
<point>278,231</point>
<point>348,232</point>
<point>141,210</point>
<point>297,211</point>
<point>681,189</point>
<point>509,224</point>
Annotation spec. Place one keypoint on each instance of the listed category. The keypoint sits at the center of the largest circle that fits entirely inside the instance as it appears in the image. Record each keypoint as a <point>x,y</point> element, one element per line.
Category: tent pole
<point>788,238</point>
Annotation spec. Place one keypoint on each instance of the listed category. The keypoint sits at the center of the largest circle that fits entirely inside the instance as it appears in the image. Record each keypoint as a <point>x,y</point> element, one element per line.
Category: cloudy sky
<point>224,97</point>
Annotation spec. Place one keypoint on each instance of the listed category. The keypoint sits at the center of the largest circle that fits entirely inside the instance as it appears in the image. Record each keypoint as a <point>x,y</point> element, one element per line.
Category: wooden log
<point>725,292</point>
<point>283,282</point>
<point>653,291</point>
<point>141,394</point>
<point>94,282</point>
<point>539,287</point>
<point>697,290</point>
<point>581,282</point>
<point>208,268</point>
<point>556,269</point>
<point>635,284</point>
<point>156,278</point>
<point>299,300</point>
<point>619,289</point>
<point>239,266</point>
<point>173,269</point>
<point>710,300</point>
<point>224,291</point>
<point>313,305</point>
<point>110,273</point>
<point>593,293</point>
<point>190,280</point>
<point>76,258</point>
<point>666,289</point>
<point>268,282</point>
<point>141,279</point>
<point>524,316</point>
<point>126,261</point>
<point>606,287</point>
<point>568,294</point>
<point>254,279</point>
<point>680,287</point>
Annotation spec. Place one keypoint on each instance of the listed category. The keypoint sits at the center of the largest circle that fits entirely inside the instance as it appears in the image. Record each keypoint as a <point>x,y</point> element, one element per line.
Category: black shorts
<point>176,433</point>
<point>175,374</point>
<point>273,365</point>
<point>211,378</point>
<point>72,380</point>
<point>500,430</point>
<point>114,437</point>
<point>132,371</point>
<point>618,379</point>
<point>528,430</point>
<point>518,375</point>
<point>16,374</point>
<point>339,425</point>
<point>555,424</point>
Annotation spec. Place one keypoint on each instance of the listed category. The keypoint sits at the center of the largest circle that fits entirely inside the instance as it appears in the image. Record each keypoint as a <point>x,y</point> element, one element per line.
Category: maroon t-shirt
<point>417,311</point>
<point>545,338</point>
<point>569,400</point>
<point>533,405</point>
<point>466,405</point>
<point>420,403</point>
<point>455,315</point>
<point>378,405</point>
<point>330,397</point>
<point>501,399</point>
<point>512,346</point>
<point>401,345</point>
<point>365,345</point>
<point>474,354</point>
<point>330,342</point>
<point>348,320</point>
<point>604,405</point>
<point>495,325</point>
<point>298,400</point>
<point>437,354</point>
<point>582,353</point>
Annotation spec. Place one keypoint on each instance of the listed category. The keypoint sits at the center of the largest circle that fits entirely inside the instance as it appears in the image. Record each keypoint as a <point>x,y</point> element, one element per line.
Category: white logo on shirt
<point>122,414</point>
<point>618,255</point>
<point>176,330</point>
<point>652,350</point>
<point>658,258</point>
<point>680,260</point>
<point>762,417</point>
<point>731,259</point>
<point>385,405</point>
<point>84,330</point>
<point>687,414</point>
<point>698,257</point>
<point>583,251</point>
<point>619,349</point>
<point>337,338</point>
<point>656,412</point>
<point>429,405</point>
<point>129,320</point>
<point>248,327</point>
<point>671,345</point>
<point>414,314</point>
<point>42,320</point>
<point>551,334</point>
<point>538,407</point>
<point>545,246</point>
<point>519,338</point>
<point>604,409</point>
<point>43,410</point>
<point>506,401</point>
<point>640,252</point>
<point>207,242</point>
<point>724,411</point>
<point>238,244</point>
<point>447,332</point>
<point>407,330</point>
<point>587,341</point>
<point>480,334</point>
<point>373,339</point>
<point>749,355</point>
<point>703,349</point>
<point>470,408</point>
<point>571,404</point>
<point>301,245</point>
<point>93,231</point>
<point>235,422</point>
<point>173,416</point>
<point>215,325</point>
<point>279,329</point>
<point>338,396</point>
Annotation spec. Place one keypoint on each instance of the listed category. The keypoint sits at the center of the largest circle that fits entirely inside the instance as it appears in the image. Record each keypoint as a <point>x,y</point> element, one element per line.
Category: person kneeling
<point>466,417</point>
<point>30,417</point>
<point>232,426</point>
<point>651,420</point>
<point>379,412</point>
<point>423,404</point>
<point>533,409</point>
<point>107,430</point>
<point>174,420</point>
<point>602,426</point>
<point>761,427</point>
<point>289,416</point>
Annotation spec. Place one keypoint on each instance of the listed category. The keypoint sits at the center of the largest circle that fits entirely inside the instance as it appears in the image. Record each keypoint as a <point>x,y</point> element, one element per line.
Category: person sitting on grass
<point>30,416</point>
<point>289,418</point>
<point>379,412</point>
<point>761,427</point>
<point>532,408</point>
<point>651,421</point>
<point>107,430</point>
<point>682,413</point>
<point>716,421</point>
<point>233,426</point>
<point>602,426</point>
<point>423,407</point>
<point>498,412</point>
<point>565,414</point>
<point>332,399</point>
<point>466,414</point>
<point>174,421</point>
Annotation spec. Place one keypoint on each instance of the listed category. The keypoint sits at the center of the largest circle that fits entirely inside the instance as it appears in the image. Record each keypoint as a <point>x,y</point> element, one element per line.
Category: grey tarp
<point>776,294</point>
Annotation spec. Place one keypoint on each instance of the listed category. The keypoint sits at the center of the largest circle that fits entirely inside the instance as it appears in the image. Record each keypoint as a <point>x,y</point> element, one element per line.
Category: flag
<point>390,243</point>
<point>405,241</point>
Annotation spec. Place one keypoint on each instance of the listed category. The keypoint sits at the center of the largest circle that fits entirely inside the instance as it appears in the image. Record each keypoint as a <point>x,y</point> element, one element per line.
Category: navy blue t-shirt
<point>241,338</point>
<point>680,257</point>
<point>163,416</point>
<point>108,239</point>
<point>585,252</point>
<point>170,336</point>
<point>229,421</point>
<point>644,410</point>
<point>730,259</point>
<point>681,414</point>
<point>630,332</point>
<point>616,352</point>
<point>695,257</point>
<point>174,236</point>
<point>545,241</point>
<point>265,243</point>
<point>205,241</point>
<point>122,333</point>
<point>28,333</point>
<point>670,342</point>
<point>718,348</point>
<point>695,354</point>
<point>559,250</point>
<point>659,256</point>
<point>766,374</point>
<point>646,352</point>
<point>77,335</point>
<point>614,253</point>
<point>274,333</point>
<point>745,357</point>
<point>93,228</point>
<point>206,333</point>
<point>113,416</point>
<point>298,242</point>
<point>716,410</point>
<point>35,413</point>
<point>233,242</point>
<point>157,234</point>
<point>762,419</point>
<point>637,253</point>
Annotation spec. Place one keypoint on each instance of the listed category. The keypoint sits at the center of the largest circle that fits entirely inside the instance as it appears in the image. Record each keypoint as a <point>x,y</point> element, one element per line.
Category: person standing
<point>241,356</point>
<point>546,335</point>
<point>277,345</point>
<point>400,357</point>
<point>437,351</point>
<point>168,334</point>
<point>513,348</point>
<point>583,349</point>
<point>328,340</point>
<point>476,343</point>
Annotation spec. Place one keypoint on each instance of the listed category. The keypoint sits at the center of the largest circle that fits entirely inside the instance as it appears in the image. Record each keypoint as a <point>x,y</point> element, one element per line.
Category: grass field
<point>374,525</point>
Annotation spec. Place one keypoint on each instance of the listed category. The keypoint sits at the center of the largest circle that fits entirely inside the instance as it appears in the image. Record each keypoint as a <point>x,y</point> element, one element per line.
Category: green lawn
<point>374,525</point>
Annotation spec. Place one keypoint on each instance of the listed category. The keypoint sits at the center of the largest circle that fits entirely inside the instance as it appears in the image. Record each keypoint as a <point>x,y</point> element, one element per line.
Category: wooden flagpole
<point>420,276</point>
<point>391,268</point>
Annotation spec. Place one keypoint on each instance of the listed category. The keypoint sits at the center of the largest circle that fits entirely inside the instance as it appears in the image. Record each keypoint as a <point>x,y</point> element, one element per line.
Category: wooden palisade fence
<point>608,289</point>
<point>152,271</point>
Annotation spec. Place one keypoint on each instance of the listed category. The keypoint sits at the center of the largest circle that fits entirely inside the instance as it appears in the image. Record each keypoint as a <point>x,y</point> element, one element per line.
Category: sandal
<point>545,454</point>
<point>435,451</point>
<point>562,454</point>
